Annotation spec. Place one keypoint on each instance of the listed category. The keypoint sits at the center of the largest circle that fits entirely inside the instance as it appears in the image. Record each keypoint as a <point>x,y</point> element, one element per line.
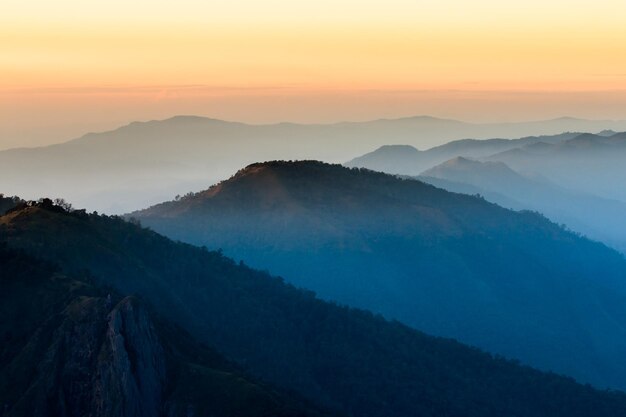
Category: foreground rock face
<point>97,364</point>
<point>69,349</point>
<point>131,381</point>
<point>340,358</point>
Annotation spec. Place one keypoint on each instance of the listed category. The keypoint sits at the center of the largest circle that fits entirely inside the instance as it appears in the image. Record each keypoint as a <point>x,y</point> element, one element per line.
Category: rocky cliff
<point>70,349</point>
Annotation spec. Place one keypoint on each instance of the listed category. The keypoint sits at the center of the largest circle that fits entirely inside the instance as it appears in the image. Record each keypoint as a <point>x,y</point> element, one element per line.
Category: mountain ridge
<point>81,351</point>
<point>345,359</point>
<point>583,171</point>
<point>142,163</point>
<point>408,160</point>
<point>432,259</point>
<point>198,118</point>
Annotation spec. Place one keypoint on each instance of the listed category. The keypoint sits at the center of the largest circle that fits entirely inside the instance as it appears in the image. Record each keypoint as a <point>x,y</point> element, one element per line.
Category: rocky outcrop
<point>70,349</point>
<point>95,364</point>
<point>131,365</point>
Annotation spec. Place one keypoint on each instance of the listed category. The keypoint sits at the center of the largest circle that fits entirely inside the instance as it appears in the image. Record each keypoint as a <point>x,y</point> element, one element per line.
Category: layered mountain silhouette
<point>408,160</point>
<point>598,218</point>
<point>69,348</point>
<point>574,179</point>
<point>147,162</point>
<point>588,163</point>
<point>449,264</point>
<point>75,351</point>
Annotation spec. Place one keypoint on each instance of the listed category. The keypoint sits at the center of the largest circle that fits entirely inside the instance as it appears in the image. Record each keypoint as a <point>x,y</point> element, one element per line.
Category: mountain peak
<point>461,163</point>
<point>183,118</point>
<point>263,171</point>
<point>607,132</point>
<point>589,139</point>
<point>249,316</point>
<point>568,119</point>
<point>402,155</point>
<point>397,149</point>
<point>291,186</point>
<point>279,164</point>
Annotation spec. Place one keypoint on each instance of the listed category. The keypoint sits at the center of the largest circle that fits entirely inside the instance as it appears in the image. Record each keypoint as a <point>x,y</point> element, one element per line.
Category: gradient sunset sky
<point>71,66</point>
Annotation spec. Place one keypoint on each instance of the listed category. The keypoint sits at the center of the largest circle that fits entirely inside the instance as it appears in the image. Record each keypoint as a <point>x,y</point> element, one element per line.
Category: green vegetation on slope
<point>69,350</point>
<point>451,265</point>
<point>347,359</point>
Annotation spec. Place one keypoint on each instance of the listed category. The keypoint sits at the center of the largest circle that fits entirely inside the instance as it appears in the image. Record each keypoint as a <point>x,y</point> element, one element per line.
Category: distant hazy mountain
<point>448,264</point>
<point>144,163</point>
<point>607,132</point>
<point>593,164</point>
<point>586,162</point>
<point>488,174</point>
<point>67,350</point>
<point>575,179</point>
<point>407,160</point>
<point>598,218</point>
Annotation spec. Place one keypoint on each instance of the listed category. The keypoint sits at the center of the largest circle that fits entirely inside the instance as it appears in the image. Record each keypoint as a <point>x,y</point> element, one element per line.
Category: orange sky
<point>69,66</point>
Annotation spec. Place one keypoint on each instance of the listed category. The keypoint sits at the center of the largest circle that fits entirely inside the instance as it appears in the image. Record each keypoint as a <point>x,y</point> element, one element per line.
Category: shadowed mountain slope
<point>347,359</point>
<point>600,219</point>
<point>70,349</point>
<point>448,264</point>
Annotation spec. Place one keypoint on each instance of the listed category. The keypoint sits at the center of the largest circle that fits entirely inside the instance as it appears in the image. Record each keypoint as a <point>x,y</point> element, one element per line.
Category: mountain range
<point>124,318</point>
<point>449,264</point>
<point>598,218</point>
<point>441,286</point>
<point>408,160</point>
<point>589,163</point>
<point>79,351</point>
<point>574,179</point>
<point>144,163</point>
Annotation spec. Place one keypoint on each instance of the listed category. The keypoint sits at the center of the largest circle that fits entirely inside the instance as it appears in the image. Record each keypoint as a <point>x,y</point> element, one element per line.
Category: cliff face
<point>95,363</point>
<point>131,365</point>
<point>70,349</point>
<point>350,360</point>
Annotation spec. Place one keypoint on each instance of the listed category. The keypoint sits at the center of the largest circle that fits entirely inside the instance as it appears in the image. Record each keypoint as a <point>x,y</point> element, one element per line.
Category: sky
<point>72,66</point>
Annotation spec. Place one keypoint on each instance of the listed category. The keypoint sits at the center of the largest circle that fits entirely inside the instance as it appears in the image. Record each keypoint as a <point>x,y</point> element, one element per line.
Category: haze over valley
<point>312,209</point>
<point>441,242</point>
<point>144,163</point>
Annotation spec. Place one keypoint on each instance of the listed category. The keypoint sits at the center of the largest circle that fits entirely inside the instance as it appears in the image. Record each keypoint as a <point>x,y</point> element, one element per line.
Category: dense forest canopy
<point>451,265</point>
<point>61,356</point>
<point>349,360</point>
